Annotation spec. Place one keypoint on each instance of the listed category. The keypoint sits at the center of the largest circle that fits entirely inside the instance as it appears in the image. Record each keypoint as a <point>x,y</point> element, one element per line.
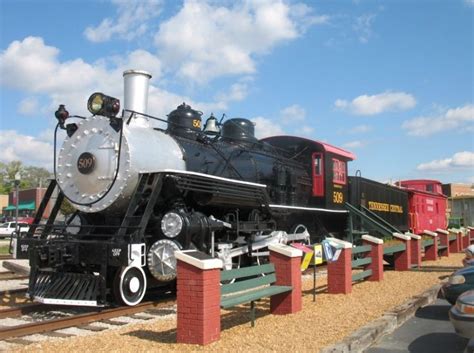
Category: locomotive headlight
<point>171,224</point>
<point>100,104</point>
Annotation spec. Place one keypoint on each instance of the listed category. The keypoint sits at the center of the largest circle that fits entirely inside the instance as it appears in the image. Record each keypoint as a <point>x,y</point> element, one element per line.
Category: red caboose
<point>427,205</point>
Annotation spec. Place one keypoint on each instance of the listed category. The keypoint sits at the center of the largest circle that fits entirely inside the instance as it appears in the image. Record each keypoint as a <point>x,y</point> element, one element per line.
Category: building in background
<point>29,202</point>
<point>452,190</point>
<point>3,204</point>
<point>460,204</point>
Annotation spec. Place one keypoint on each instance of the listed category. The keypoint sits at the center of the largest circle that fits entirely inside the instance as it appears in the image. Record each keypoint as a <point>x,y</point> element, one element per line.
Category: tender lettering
<point>384,207</point>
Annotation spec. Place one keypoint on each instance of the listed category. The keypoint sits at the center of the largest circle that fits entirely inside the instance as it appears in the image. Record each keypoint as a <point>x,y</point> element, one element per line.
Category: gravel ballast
<point>319,324</point>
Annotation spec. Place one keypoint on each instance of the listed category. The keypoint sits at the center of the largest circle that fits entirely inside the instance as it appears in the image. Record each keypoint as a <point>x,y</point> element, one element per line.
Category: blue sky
<point>391,81</point>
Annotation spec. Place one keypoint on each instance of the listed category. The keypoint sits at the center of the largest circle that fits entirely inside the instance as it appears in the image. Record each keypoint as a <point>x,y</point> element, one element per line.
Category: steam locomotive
<point>143,190</point>
<point>144,187</point>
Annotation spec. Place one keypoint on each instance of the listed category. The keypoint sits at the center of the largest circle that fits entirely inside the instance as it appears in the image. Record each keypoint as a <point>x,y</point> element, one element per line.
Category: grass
<point>4,249</point>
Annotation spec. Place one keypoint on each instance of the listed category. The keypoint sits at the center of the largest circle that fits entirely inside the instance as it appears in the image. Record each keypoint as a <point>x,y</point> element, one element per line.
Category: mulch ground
<point>323,322</point>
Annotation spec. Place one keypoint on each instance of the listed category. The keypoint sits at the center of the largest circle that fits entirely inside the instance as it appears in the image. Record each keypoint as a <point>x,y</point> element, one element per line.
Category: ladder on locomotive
<point>141,205</point>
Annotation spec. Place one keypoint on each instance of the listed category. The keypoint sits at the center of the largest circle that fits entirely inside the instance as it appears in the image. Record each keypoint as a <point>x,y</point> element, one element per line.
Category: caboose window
<point>339,171</point>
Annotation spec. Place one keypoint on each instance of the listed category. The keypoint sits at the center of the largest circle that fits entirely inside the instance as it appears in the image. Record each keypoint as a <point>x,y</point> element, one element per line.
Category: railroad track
<point>85,321</point>
<point>10,276</point>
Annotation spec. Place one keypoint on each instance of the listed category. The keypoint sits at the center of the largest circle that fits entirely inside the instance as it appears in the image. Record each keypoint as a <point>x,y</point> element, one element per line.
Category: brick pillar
<point>402,259</point>
<point>415,246</point>
<point>198,298</point>
<point>465,238</point>
<point>431,252</point>
<point>454,245</point>
<point>287,261</point>
<point>340,271</point>
<point>443,241</point>
<point>470,232</point>
<point>376,253</point>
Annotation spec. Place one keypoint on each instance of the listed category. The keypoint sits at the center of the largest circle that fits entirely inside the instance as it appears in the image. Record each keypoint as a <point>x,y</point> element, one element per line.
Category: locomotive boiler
<point>145,187</point>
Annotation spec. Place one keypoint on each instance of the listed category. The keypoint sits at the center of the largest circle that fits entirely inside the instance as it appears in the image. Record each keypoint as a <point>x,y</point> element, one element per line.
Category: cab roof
<point>282,141</point>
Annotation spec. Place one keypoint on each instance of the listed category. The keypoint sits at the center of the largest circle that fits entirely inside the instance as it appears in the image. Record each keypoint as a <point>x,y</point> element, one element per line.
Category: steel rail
<point>12,291</point>
<point>23,309</point>
<point>77,320</point>
<point>12,276</point>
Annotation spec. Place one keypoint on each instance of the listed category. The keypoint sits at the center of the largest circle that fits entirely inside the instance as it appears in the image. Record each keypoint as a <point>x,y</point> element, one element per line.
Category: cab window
<point>318,174</point>
<point>339,171</point>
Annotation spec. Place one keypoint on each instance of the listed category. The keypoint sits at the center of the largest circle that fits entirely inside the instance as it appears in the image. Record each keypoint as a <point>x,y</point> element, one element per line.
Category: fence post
<point>431,251</point>
<point>402,259</point>
<point>443,241</point>
<point>340,271</point>
<point>287,261</point>
<point>415,246</point>
<point>198,297</point>
<point>376,253</point>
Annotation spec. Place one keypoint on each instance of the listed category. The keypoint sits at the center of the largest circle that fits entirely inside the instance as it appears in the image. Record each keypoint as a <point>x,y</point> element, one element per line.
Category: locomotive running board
<point>65,288</point>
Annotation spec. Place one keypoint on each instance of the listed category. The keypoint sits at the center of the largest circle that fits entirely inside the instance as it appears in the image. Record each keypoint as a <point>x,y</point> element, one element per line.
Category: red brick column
<point>402,259</point>
<point>340,271</point>
<point>431,252</point>
<point>465,238</point>
<point>376,253</point>
<point>470,233</point>
<point>454,245</point>
<point>444,241</point>
<point>415,246</point>
<point>287,261</point>
<point>198,298</point>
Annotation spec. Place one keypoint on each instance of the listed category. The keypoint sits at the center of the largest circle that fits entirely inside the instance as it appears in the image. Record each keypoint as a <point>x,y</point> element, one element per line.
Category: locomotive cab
<point>327,166</point>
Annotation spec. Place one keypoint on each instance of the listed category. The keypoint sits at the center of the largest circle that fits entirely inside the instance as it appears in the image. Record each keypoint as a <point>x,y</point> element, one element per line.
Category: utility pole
<point>17,192</point>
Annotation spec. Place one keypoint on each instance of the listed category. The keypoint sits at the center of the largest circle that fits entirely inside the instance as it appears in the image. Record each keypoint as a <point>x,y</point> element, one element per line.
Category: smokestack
<point>136,95</point>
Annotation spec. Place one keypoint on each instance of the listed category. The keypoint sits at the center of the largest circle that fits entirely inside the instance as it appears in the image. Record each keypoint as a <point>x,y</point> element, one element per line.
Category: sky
<point>390,81</point>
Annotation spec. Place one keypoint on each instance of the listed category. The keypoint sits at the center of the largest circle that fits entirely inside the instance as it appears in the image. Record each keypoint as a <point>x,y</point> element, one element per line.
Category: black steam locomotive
<point>144,190</point>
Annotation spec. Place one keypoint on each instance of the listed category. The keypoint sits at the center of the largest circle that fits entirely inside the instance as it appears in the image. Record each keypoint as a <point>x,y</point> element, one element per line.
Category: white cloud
<point>237,91</point>
<point>305,131</point>
<point>34,67</point>
<point>293,113</point>
<point>469,2</point>
<point>265,127</point>
<point>363,27</point>
<point>460,160</point>
<point>377,104</point>
<point>28,106</point>
<point>354,144</point>
<point>132,20</point>
<point>28,149</point>
<point>205,40</point>
<point>461,117</point>
<point>360,129</point>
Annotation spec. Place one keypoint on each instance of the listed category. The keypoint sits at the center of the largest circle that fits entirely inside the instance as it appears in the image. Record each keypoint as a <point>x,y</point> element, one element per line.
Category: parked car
<point>6,229</point>
<point>459,282</point>
<point>462,315</point>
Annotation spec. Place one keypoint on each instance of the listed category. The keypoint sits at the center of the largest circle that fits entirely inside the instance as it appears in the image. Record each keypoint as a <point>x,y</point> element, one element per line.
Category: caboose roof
<point>294,140</point>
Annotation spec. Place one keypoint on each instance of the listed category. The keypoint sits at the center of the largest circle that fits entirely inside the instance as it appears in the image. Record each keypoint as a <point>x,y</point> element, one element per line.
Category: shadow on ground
<point>434,312</point>
<point>439,342</point>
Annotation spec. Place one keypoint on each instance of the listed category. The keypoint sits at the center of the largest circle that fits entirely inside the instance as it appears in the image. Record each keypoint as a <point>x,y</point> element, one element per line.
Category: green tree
<point>66,208</point>
<point>31,177</point>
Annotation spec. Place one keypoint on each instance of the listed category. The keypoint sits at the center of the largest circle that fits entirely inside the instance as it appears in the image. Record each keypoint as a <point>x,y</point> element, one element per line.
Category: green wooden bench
<point>249,284</point>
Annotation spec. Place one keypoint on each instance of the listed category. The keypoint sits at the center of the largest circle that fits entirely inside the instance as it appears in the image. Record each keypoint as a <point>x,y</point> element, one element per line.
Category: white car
<point>6,229</point>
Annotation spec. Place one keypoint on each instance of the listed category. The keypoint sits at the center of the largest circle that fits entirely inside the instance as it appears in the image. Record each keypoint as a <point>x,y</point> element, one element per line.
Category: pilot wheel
<point>129,285</point>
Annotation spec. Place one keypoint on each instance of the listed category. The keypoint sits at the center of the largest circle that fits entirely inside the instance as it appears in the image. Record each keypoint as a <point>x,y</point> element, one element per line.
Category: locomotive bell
<point>211,127</point>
